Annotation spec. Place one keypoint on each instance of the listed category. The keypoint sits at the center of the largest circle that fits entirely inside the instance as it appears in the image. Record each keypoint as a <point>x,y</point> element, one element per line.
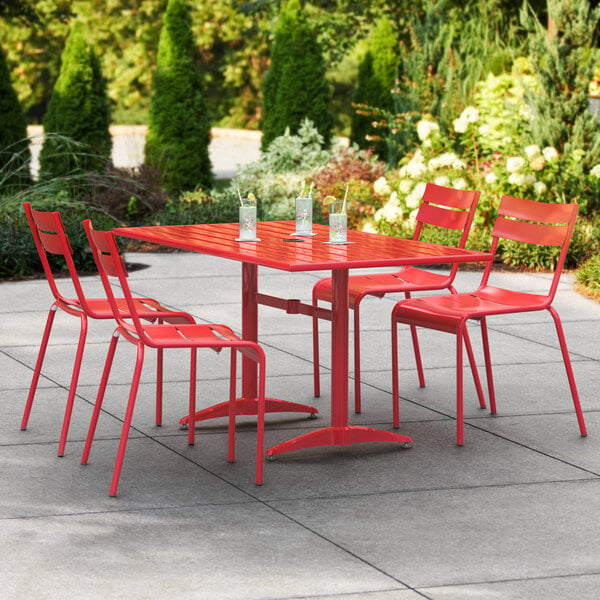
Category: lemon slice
<point>251,196</point>
<point>328,200</point>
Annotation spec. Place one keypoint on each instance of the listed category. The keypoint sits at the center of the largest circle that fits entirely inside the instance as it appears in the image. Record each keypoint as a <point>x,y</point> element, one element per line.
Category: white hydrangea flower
<point>459,184</point>
<point>434,163</point>
<point>427,143</point>
<point>414,198</point>
<point>595,171</point>
<point>529,180</point>
<point>491,178</point>
<point>447,159</point>
<point>470,114</point>
<point>380,187</point>
<point>550,153</point>
<point>514,164</point>
<point>484,129</point>
<point>532,151</point>
<point>460,125</point>
<point>537,163</point>
<point>405,186</point>
<point>459,164</point>
<point>517,179</point>
<point>369,227</point>
<point>442,180</point>
<point>415,169</point>
<point>506,139</point>
<point>391,212</point>
<point>425,128</point>
<point>539,187</point>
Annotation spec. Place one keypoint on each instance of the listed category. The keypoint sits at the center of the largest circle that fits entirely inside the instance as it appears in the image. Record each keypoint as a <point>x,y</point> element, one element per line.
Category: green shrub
<point>18,254</point>
<point>78,109</point>
<point>295,87</point>
<point>179,125</point>
<point>15,156</point>
<point>198,207</point>
<point>588,276</point>
<point>357,170</point>
<point>278,176</point>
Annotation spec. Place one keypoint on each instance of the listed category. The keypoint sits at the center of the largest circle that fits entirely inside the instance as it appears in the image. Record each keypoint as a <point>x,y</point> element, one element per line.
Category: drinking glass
<point>338,222</point>
<point>304,210</point>
<point>248,219</point>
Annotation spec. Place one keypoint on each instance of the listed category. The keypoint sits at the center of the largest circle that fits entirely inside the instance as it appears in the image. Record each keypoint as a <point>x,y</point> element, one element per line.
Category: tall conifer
<point>79,109</point>
<point>15,156</point>
<point>295,87</point>
<point>179,128</point>
<point>376,78</point>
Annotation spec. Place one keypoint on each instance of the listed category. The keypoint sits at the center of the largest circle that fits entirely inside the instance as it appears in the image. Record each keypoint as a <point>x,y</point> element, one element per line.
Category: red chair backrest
<point>50,237</point>
<point>447,208</point>
<point>532,222</point>
<point>110,264</point>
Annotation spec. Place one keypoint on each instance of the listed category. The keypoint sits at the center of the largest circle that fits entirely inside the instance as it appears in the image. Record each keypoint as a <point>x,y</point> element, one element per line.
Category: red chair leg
<point>357,399</point>
<point>159,386</point>
<point>459,388</point>
<point>260,433</point>
<point>316,368</point>
<point>127,421</point>
<point>565,353</point>
<point>99,398</point>
<point>192,399</point>
<point>395,390</point>
<point>38,366</point>
<point>488,365</point>
<point>73,387</point>
<point>232,407</point>
<point>417,353</point>
<point>474,370</point>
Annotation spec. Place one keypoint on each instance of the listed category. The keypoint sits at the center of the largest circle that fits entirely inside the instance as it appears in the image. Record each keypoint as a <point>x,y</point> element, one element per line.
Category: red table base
<point>249,406</point>
<point>338,436</point>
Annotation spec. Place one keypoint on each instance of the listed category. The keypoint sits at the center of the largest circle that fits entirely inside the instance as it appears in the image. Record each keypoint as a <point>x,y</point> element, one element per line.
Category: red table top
<point>311,254</point>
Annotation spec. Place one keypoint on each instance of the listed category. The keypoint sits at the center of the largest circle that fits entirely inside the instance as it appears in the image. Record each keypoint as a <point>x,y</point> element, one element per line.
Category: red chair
<point>441,207</point>
<point>50,238</point>
<point>523,221</point>
<point>160,336</point>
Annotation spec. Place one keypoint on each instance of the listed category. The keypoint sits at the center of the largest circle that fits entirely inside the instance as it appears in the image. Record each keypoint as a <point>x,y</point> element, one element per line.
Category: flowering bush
<point>363,174</point>
<point>486,150</point>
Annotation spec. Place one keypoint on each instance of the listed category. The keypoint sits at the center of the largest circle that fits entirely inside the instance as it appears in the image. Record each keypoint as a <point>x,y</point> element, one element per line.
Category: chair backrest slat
<point>530,233</point>
<point>442,217</point>
<point>50,237</point>
<point>110,264</point>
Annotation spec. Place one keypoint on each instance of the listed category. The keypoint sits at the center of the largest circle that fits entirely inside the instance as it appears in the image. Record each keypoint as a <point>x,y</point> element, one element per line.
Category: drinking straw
<point>241,203</point>
<point>302,190</point>
<point>310,189</point>
<point>344,209</point>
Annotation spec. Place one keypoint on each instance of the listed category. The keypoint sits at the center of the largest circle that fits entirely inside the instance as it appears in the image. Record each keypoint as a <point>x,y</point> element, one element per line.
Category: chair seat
<point>408,279</point>
<point>447,312</point>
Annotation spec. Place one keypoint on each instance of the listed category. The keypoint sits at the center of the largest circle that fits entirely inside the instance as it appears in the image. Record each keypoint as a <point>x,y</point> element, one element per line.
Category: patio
<point>512,514</point>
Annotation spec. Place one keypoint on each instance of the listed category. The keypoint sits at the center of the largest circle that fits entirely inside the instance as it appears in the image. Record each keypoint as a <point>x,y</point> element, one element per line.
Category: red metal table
<point>274,250</point>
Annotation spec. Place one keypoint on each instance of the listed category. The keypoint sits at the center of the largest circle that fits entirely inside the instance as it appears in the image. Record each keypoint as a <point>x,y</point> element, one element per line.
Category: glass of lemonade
<point>304,209</point>
<point>338,222</point>
<point>247,218</point>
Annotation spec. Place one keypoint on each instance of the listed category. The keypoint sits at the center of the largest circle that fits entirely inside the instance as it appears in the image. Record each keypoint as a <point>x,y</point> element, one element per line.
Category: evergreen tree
<point>376,79</point>
<point>79,110</point>
<point>15,155</point>
<point>295,87</point>
<point>179,127</point>
<point>564,61</point>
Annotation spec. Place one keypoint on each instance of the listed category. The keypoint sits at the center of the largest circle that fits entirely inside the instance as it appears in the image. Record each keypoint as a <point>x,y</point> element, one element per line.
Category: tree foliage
<point>179,129</point>
<point>295,87</point>
<point>79,110</point>
<point>564,63</point>
<point>15,155</point>
<point>376,80</point>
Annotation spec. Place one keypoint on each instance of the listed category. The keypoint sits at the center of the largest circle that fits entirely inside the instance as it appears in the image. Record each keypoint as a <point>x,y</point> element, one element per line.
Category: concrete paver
<point>512,514</point>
